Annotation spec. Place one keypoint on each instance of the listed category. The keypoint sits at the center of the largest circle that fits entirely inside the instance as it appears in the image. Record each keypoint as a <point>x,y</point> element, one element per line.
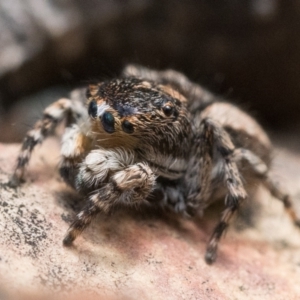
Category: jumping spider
<point>156,136</point>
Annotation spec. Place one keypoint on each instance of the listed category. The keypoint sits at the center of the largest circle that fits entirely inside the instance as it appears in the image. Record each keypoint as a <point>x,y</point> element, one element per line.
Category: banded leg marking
<point>131,186</point>
<point>53,114</point>
<point>233,182</point>
<point>284,198</point>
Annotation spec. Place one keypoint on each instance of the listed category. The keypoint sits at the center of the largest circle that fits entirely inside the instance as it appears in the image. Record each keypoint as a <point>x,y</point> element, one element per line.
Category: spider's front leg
<point>213,137</point>
<point>53,114</point>
<point>131,186</point>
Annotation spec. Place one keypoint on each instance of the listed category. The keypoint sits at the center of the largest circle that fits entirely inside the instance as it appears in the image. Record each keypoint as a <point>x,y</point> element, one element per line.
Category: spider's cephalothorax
<point>144,117</point>
<point>155,136</point>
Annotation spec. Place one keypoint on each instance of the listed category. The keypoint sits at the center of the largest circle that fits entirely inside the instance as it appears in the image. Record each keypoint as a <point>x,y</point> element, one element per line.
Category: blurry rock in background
<point>248,51</point>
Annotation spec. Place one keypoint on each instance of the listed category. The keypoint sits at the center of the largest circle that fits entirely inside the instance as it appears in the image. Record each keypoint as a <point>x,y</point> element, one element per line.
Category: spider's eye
<point>93,108</point>
<point>127,127</point>
<point>108,122</point>
<point>168,110</point>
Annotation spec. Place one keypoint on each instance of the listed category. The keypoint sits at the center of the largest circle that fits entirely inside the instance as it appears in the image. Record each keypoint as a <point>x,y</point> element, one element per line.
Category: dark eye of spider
<point>93,108</point>
<point>127,127</point>
<point>168,110</point>
<point>108,122</point>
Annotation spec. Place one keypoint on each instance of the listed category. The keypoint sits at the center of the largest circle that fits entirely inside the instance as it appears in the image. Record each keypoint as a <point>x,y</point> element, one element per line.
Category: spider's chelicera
<point>155,136</point>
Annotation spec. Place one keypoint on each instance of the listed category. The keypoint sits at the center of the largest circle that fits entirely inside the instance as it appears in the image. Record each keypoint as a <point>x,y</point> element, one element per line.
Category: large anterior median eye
<point>93,108</point>
<point>108,122</point>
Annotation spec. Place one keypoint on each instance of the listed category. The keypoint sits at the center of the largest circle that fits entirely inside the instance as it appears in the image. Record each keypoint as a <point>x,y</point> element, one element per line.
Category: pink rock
<point>139,254</point>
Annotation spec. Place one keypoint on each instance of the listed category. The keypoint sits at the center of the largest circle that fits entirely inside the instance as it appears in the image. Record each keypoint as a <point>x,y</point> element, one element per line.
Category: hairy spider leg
<point>197,181</point>
<point>52,116</point>
<point>232,179</point>
<point>281,195</point>
<point>256,165</point>
<point>261,169</point>
<point>130,186</point>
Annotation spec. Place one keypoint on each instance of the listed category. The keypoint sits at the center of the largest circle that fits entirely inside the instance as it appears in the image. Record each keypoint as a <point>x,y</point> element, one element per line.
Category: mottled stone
<point>139,254</point>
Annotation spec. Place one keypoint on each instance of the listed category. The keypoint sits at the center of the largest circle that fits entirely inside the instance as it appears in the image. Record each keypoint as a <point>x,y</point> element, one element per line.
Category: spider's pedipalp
<point>98,164</point>
<point>131,186</point>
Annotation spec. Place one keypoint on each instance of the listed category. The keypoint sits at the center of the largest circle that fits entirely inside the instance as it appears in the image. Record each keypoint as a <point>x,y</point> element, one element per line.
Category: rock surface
<point>140,254</point>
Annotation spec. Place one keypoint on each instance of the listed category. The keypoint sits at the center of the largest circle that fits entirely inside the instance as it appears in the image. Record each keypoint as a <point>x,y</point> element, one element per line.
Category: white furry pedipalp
<point>99,162</point>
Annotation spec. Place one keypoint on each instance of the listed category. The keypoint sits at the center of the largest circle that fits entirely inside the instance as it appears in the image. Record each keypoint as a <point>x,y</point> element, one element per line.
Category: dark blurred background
<point>247,51</point>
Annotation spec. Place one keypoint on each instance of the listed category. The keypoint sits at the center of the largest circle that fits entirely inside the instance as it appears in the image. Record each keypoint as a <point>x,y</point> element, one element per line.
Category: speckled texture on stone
<point>141,254</point>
